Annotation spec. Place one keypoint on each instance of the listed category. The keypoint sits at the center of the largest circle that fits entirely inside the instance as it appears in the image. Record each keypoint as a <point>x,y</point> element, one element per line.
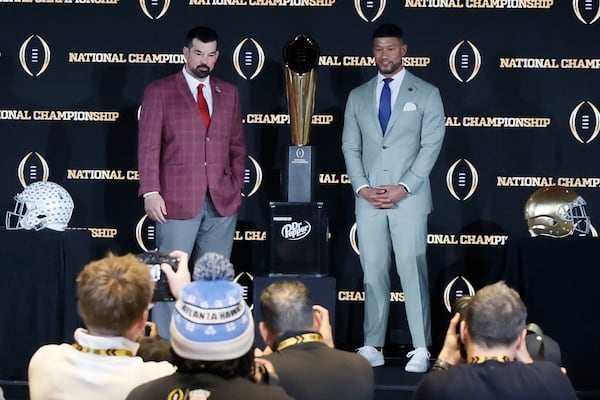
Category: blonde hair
<point>113,293</point>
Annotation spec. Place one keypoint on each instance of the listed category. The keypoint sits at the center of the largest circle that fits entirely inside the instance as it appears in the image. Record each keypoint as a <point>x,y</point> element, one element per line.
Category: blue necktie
<point>385,104</point>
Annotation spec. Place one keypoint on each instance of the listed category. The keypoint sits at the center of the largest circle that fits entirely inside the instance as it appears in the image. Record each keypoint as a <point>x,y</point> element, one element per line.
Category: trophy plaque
<point>301,57</point>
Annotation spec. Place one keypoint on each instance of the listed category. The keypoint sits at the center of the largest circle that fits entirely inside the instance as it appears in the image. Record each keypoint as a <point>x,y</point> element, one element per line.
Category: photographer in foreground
<point>113,296</point>
<point>212,343</point>
<point>300,346</point>
<point>497,365</point>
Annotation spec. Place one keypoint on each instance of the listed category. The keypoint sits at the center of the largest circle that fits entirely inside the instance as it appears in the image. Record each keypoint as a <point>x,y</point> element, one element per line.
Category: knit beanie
<point>211,320</point>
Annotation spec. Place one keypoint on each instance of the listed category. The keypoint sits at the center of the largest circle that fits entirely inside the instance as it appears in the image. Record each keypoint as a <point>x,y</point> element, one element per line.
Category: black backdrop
<point>519,80</point>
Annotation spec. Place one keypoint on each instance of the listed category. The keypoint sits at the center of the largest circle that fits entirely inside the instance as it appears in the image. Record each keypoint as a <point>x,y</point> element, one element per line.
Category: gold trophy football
<point>301,57</point>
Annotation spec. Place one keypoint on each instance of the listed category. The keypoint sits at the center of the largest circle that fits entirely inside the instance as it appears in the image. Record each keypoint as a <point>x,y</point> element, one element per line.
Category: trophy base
<point>300,176</point>
<point>298,237</point>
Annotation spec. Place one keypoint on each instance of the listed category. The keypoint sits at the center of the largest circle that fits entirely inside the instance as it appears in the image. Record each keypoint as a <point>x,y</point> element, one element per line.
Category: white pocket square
<point>410,106</point>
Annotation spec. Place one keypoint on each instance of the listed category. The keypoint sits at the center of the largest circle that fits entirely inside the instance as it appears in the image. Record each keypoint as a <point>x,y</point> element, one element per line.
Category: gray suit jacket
<point>407,151</point>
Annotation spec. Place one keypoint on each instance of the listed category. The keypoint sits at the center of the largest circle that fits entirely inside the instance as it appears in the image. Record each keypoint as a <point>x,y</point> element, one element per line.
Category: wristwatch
<point>441,365</point>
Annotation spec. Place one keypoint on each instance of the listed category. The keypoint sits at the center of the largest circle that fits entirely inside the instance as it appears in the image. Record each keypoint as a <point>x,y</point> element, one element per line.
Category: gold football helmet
<point>556,211</point>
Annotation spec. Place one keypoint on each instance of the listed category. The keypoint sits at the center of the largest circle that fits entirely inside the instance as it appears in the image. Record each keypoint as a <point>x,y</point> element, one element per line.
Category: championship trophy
<point>301,57</point>
<point>299,230</point>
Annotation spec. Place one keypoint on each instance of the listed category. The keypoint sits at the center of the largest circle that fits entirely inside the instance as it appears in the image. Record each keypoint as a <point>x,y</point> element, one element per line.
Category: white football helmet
<point>41,205</point>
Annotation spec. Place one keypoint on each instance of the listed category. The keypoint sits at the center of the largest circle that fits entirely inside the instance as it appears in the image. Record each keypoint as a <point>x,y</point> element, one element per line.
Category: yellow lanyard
<point>298,339</point>
<point>482,359</point>
<point>103,352</point>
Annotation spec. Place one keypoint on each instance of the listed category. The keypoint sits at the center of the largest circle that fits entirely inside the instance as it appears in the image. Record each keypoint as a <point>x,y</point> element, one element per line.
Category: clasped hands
<point>384,196</point>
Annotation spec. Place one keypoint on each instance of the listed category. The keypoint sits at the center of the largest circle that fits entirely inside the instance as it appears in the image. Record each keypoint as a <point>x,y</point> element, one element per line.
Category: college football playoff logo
<point>465,61</point>
<point>458,287</point>
<point>353,239</point>
<point>145,234</point>
<point>156,9</point>
<point>585,122</point>
<point>34,55</point>
<point>369,10</point>
<point>587,11</point>
<point>246,281</point>
<point>462,179</point>
<point>32,170</point>
<point>248,58</point>
<point>253,177</point>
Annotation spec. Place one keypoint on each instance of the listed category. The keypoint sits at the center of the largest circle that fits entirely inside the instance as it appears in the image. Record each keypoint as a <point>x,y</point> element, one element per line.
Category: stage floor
<point>391,383</point>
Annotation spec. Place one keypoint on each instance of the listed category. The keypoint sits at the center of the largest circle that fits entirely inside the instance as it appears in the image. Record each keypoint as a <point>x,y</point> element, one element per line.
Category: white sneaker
<point>373,356</point>
<point>419,360</point>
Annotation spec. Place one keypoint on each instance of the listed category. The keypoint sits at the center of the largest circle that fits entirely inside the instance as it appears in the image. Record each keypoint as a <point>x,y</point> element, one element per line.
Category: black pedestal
<point>38,300</point>
<point>298,239</point>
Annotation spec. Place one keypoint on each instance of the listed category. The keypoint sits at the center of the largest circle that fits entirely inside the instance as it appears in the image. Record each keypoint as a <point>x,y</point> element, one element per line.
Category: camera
<point>263,374</point>
<point>153,260</point>
<point>460,305</point>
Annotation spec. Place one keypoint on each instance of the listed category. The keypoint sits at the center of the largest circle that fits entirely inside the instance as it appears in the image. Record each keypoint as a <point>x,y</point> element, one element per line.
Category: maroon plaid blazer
<point>179,158</point>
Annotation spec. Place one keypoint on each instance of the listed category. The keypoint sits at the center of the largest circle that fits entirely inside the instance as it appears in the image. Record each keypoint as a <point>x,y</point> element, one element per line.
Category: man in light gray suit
<point>394,127</point>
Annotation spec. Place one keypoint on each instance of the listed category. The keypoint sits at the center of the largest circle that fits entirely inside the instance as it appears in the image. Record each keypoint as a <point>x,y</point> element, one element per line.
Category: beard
<point>390,68</point>
<point>201,71</point>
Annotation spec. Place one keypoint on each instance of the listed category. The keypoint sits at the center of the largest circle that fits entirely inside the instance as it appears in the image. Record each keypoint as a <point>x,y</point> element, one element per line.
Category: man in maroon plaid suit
<point>191,156</point>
